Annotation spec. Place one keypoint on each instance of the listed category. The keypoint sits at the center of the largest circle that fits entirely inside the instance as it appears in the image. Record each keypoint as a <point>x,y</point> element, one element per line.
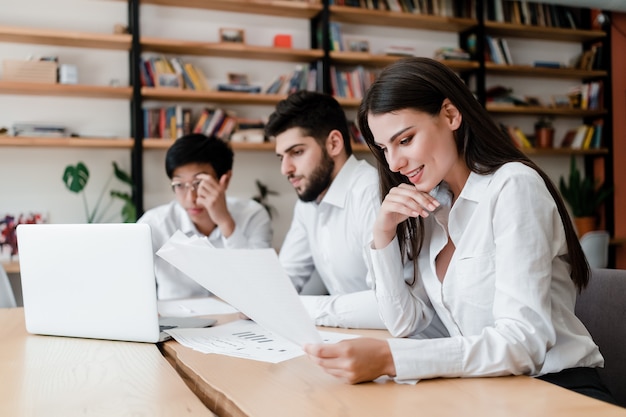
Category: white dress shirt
<point>331,237</point>
<point>253,229</point>
<point>507,299</point>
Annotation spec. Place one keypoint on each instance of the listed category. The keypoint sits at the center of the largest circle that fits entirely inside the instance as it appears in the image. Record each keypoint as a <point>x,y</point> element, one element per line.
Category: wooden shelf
<point>237,146</point>
<point>617,241</point>
<point>530,71</point>
<point>11,267</point>
<point>542,33</point>
<point>229,50</point>
<point>362,16</point>
<point>564,151</point>
<point>65,90</point>
<point>282,8</point>
<point>152,143</point>
<point>367,59</point>
<point>47,142</point>
<point>65,38</point>
<point>548,111</point>
<point>177,94</point>
<point>348,102</point>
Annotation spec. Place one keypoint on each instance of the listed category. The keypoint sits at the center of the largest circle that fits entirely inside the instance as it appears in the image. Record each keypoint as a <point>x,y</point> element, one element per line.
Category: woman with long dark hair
<point>473,225</point>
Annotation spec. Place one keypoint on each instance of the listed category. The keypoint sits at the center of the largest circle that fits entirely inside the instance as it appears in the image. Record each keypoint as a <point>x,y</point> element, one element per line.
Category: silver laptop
<point>93,281</point>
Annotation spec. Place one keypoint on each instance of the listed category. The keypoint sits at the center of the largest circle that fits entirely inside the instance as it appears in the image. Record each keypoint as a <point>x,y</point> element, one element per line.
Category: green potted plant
<point>75,178</point>
<point>584,196</point>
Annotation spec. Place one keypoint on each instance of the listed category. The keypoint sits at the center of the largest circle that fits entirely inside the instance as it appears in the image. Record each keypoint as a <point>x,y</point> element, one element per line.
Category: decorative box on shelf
<point>29,71</point>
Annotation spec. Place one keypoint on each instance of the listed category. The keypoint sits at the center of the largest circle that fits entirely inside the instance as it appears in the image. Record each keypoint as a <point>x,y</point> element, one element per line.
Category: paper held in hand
<point>251,280</point>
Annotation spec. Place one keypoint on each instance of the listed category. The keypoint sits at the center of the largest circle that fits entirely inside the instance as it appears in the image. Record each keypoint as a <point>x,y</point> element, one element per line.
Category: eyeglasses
<point>181,188</point>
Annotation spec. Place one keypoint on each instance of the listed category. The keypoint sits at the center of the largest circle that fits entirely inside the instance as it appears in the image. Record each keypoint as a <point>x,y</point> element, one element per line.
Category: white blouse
<point>507,299</point>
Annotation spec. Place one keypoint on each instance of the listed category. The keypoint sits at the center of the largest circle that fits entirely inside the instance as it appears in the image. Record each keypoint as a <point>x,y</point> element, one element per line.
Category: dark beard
<point>320,179</point>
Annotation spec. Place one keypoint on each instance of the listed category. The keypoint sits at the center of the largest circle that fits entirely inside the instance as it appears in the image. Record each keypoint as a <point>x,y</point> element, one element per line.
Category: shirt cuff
<point>236,240</point>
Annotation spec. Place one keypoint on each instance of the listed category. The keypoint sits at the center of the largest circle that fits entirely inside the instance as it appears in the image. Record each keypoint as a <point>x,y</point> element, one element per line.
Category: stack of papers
<point>253,282</point>
<point>245,339</point>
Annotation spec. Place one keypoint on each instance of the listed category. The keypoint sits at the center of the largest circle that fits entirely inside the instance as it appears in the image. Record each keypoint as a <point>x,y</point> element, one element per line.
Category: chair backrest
<point>602,309</point>
<point>7,298</point>
<point>596,248</point>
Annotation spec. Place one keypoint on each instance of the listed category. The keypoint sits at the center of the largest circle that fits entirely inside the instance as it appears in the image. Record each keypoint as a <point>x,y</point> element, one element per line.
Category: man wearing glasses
<point>200,169</point>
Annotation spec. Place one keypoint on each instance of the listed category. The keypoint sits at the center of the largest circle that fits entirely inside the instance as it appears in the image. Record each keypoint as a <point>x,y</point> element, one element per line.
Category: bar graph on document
<point>245,339</point>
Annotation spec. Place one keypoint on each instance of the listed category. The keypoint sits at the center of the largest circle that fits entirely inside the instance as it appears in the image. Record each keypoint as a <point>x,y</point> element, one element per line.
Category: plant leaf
<point>129,212</point>
<point>76,177</point>
<point>122,175</point>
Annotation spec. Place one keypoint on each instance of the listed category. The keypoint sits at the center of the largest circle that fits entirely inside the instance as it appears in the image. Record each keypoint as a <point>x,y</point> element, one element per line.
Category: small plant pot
<point>584,225</point>
<point>544,137</point>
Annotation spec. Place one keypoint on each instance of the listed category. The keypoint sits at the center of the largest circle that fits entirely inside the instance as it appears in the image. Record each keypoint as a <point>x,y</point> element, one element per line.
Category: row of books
<point>351,83</point>
<point>166,122</point>
<point>172,72</point>
<point>175,121</point>
<point>588,96</point>
<point>216,122</point>
<point>532,13</point>
<point>585,136</point>
<point>497,51</point>
<point>592,58</point>
<point>448,8</point>
<point>303,77</point>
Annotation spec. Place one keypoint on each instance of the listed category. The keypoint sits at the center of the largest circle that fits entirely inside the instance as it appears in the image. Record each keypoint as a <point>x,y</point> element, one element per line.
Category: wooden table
<point>59,376</point>
<point>234,387</point>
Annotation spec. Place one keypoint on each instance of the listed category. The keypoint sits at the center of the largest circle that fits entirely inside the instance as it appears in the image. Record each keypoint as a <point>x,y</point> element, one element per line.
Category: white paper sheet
<point>246,339</point>
<point>251,280</point>
<point>191,307</point>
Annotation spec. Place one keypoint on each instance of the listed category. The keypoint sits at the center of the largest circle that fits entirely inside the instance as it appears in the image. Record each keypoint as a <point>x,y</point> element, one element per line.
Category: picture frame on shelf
<point>232,35</point>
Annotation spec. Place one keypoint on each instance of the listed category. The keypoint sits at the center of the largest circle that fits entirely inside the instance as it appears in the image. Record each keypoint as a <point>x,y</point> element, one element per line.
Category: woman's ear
<point>452,114</point>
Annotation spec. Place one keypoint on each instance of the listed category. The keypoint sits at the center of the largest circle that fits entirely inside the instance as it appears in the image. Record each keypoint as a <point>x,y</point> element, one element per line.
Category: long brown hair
<point>423,84</point>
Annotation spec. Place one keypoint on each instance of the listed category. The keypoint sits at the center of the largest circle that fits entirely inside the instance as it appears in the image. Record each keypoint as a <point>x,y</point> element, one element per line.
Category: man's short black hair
<point>200,149</point>
<point>315,113</point>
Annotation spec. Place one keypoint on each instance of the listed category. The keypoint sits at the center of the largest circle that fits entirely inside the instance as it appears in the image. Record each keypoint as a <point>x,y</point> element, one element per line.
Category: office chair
<point>602,309</point>
<point>7,298</point>
<point>596,248</point>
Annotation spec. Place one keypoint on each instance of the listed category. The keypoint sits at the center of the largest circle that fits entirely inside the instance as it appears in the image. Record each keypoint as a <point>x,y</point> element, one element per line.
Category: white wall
<point>32,176</point>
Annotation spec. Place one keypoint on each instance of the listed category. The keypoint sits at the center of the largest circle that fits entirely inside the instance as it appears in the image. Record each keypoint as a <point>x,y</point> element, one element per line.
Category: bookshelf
<point>524,76</point>
<point>65,38</point>
<point>309,14</point>
<point>341,61</point>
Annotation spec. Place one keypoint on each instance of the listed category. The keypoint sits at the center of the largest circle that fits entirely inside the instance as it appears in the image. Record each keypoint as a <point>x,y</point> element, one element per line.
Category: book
<point>579,138</point>
<point>588,137</point>
<point>239,88</point>
<point>198,79</point>
<point>450,53</point>
<point>215,122</point>
<point>202,120</point>
<point>504,47</point>
<point>396,50</point>
<point>596,142</point>
<point>548,64</point>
